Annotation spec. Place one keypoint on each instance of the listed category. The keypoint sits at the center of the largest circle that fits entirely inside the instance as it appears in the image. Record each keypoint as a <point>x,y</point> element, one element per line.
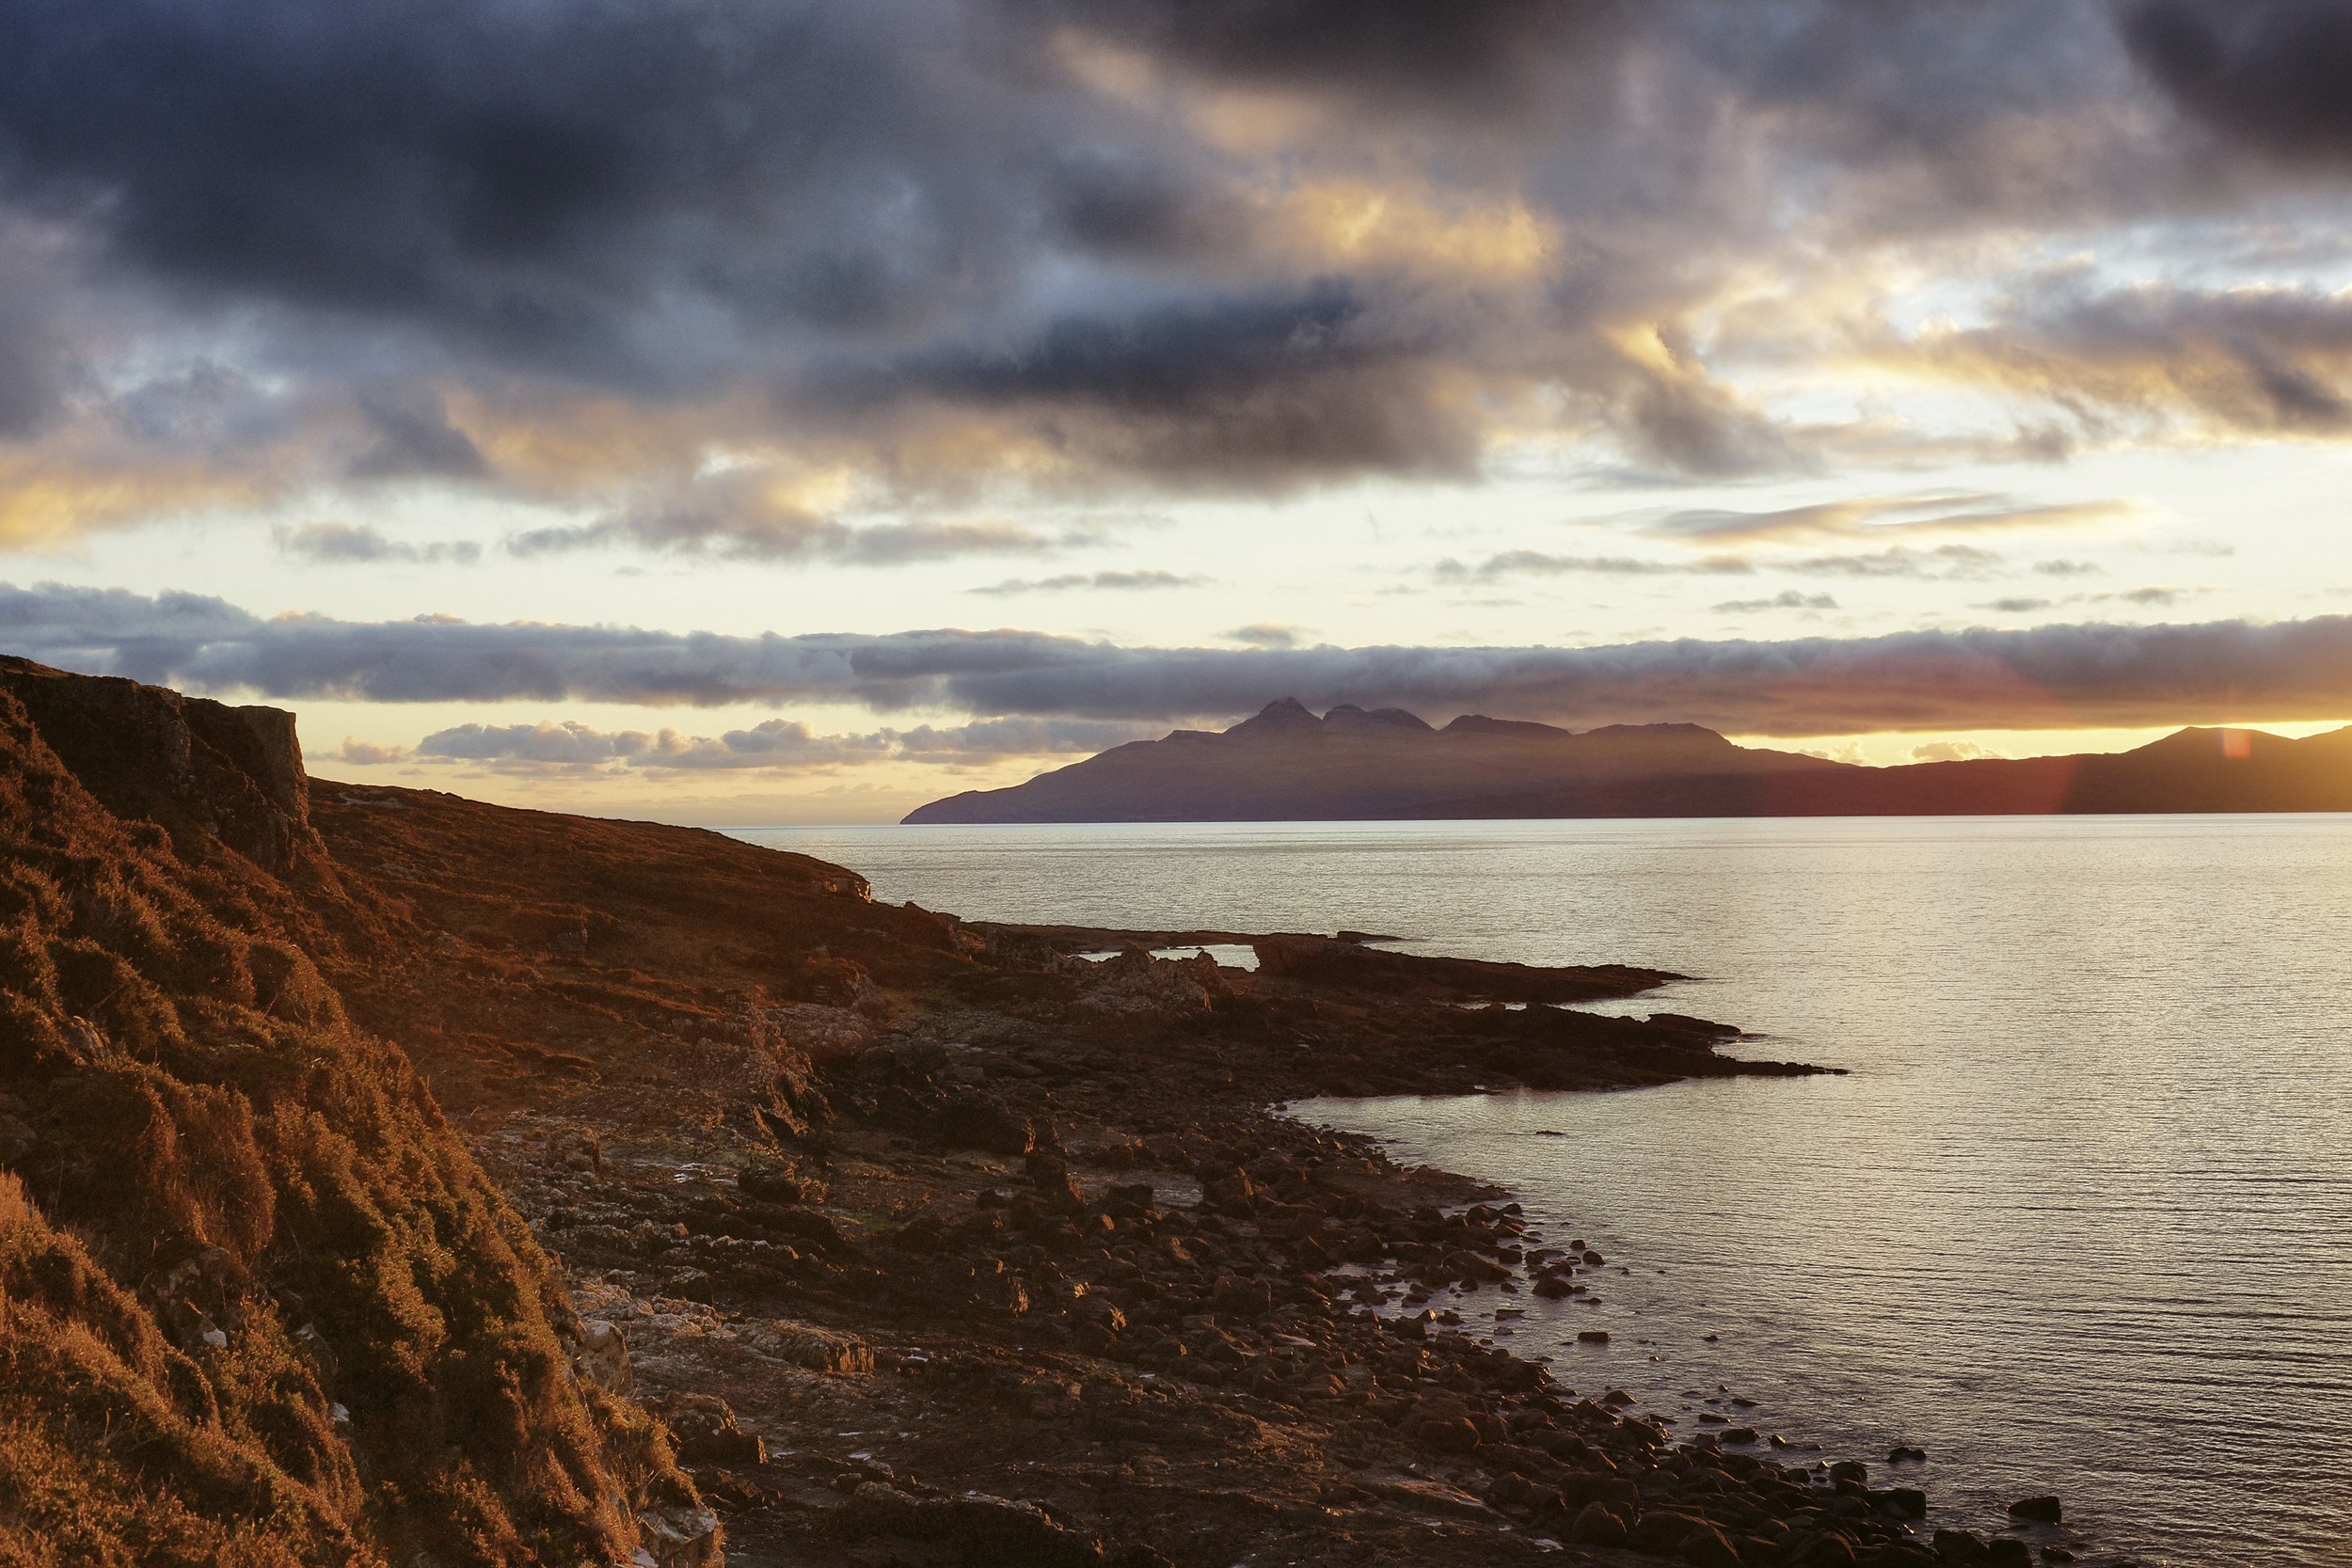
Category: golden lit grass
<point>231,1212</point>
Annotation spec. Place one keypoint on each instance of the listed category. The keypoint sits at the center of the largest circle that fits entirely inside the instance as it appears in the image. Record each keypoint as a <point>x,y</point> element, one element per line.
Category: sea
<point>2076,1219</point>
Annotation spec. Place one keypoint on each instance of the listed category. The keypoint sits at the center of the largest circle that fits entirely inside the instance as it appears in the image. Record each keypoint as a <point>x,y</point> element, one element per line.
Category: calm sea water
<point>2078,1221</point>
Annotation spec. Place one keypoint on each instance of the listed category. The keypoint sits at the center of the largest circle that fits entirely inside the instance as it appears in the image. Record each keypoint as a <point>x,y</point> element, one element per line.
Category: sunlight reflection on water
<point>2078,1221</point>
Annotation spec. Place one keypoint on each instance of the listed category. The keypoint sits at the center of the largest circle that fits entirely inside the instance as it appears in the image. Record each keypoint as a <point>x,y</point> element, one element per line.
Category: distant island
<point>1350,764</point>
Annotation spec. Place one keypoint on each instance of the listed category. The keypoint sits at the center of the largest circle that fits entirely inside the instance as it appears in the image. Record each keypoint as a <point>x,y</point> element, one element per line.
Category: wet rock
<point>1904,1503</point>
<point>1904,1454</point>
<point>1595,1525</point>
<point>1613,1492</point>
<point>1897,1554</point>
<point>1457,1434</point>
<point>1129,1199</point>
<point>1661,1534</point>
<point>1708,1547</point>
<point>1960,1548</point>
<point>2042,1510</point>
<point>2008,1552</point>
<point>1826,1550</point>
<point>1593,1337</point>
<point>1233,1194</point>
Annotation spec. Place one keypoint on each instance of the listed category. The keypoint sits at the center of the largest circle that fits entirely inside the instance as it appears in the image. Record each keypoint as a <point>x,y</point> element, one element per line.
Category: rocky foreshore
<point>939,1243</point>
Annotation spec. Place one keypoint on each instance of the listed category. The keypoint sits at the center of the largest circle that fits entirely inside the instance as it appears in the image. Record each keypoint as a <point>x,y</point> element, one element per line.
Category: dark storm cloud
<point>523,179</point>
<point>938,243</point>
<point>1270,387</point>
<point>2269,74</point>
<point>1136,205</point>
<point>1474,55</point>
<point>2048,676</point>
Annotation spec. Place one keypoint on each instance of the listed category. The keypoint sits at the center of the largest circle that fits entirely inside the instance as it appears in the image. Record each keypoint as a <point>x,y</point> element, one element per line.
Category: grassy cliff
<point>257,1304</point>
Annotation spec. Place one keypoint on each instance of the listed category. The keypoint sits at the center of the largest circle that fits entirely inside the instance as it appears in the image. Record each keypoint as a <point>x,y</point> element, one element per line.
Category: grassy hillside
<point>256,1305</point>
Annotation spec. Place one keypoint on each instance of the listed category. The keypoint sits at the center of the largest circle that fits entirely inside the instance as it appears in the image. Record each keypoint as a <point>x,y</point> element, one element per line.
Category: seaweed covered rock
<point>257,1304</point>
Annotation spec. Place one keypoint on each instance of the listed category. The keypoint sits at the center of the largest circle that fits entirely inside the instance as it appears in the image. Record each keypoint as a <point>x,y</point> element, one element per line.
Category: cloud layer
<point>773,746</point>
<point>2063,676</point>
<point>744,275</point>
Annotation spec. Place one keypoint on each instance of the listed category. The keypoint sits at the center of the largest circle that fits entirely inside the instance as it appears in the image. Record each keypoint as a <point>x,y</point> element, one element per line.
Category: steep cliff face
<point>206,772</point>
<point>257,1304</point>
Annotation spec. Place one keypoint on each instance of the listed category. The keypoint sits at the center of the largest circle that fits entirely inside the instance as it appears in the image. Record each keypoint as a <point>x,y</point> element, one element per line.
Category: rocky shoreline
<point>1184,1337</point>
<point>1019,1264</point>
<point>502,1187</point>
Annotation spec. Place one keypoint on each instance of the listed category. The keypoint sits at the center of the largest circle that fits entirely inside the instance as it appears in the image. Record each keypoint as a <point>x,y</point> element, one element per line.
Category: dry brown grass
<point>227,1212</point>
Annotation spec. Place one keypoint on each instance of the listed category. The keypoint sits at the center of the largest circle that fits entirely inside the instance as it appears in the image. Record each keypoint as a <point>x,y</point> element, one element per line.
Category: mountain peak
<point>1281,715</point>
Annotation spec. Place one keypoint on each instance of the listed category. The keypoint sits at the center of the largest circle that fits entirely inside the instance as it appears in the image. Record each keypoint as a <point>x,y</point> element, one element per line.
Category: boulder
<point>1454,1435</point>
<point>1826,1550</point>
<point>708,1433</point>
<point>1960,1548</point>
<point>1708,1547</point>
<point>1595,1525</point>
<point>602,1356</point>
<point>1662,1533</point>
<point>680,1536</point>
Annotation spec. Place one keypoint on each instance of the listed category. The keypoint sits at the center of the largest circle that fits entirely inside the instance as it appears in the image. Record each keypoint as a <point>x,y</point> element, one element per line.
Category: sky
<point>743,411</point>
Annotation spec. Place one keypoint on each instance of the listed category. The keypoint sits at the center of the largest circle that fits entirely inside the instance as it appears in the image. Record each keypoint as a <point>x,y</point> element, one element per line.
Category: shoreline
<point>935,1243</point>
<point>921,1242</point>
